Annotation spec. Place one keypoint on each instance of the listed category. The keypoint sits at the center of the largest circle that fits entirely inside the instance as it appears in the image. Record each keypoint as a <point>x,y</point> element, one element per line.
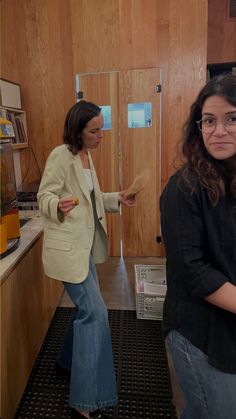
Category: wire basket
<point>150,291</point>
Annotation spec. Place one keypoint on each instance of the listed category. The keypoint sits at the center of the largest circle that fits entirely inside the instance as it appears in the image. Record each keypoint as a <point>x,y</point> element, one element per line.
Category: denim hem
<point>91,408</point>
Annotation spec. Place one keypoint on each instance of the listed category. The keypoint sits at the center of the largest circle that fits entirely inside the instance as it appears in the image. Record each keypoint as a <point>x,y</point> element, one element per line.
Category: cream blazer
<point>69,240</point>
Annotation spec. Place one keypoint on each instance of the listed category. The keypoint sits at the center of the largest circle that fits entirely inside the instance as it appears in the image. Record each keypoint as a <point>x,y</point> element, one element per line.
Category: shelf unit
<point>18,119</point>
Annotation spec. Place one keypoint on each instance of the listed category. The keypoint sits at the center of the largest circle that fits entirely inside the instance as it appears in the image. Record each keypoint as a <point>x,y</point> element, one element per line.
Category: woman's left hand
<point>129,202</point>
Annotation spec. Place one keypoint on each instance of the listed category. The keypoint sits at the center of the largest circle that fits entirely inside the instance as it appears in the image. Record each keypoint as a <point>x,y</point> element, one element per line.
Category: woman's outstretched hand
<point>129,201</point>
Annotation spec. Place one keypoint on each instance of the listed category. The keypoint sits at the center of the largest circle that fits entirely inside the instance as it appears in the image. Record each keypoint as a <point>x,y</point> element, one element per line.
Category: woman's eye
<point>231,119</point>
<point>208,121</point>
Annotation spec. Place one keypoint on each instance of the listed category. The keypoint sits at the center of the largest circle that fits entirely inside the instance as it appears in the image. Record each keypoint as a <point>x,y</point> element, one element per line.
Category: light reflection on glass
<point>139,115</point>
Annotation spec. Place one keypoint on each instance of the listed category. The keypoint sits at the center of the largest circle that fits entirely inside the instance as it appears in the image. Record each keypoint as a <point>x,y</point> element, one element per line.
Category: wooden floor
<point>117,278</point>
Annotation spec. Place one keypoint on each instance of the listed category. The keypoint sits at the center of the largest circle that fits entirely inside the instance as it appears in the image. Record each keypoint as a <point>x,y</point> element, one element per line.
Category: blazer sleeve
<point>51,187</point>
<point>110,201</point>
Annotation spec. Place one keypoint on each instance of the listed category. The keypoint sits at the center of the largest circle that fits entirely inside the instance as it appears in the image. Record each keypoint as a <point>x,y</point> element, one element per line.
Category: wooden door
<point>125,152</point>
<point>141,149</point>
<point>102,89</point>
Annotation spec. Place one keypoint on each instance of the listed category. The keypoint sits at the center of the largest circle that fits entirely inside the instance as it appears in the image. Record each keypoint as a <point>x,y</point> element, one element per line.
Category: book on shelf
<point>21,130</point>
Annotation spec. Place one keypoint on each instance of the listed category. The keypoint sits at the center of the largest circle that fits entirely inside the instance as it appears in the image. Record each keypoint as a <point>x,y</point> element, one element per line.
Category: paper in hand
<point>138,184</point>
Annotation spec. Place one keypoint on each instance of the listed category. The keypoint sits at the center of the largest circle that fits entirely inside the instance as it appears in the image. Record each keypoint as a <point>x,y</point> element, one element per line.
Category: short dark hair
<point>195,156</point>
<point>76,120</point>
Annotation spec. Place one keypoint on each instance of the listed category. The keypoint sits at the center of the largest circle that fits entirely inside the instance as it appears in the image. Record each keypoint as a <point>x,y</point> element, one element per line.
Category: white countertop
<point>29,234</point>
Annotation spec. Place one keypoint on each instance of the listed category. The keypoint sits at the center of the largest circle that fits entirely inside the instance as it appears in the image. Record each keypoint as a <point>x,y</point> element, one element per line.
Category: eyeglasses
<point>208,124</point>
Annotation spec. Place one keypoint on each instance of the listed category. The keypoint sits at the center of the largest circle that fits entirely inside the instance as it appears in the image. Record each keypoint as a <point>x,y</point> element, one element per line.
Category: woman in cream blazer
<point>69,240</point>
<point>75,238</point>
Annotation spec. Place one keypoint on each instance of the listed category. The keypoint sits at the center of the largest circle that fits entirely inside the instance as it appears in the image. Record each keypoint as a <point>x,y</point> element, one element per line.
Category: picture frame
<point>10,94</point>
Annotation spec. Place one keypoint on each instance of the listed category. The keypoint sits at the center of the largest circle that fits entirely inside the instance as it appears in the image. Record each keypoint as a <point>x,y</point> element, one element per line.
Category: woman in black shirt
<point>198,221</point>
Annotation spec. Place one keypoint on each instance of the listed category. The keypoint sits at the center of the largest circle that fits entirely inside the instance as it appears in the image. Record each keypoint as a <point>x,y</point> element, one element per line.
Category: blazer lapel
<point>81,176</point>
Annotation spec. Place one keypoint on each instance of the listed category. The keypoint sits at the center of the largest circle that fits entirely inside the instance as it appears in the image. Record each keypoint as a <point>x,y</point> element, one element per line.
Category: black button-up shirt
<point>200,245</point>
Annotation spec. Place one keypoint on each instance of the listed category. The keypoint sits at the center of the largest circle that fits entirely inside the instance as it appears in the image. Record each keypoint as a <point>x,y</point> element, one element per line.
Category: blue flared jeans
<point>87,348</point>
<point>209,393</point>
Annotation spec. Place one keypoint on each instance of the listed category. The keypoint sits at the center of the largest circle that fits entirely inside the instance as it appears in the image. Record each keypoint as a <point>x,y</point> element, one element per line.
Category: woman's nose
<point>220,128</point>
<point>100,134</point>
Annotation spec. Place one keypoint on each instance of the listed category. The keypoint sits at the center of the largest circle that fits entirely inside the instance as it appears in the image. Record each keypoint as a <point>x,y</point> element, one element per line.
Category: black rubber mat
<point>140,364</point>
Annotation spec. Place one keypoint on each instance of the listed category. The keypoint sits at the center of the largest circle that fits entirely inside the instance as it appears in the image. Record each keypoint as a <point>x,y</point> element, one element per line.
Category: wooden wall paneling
<point>9,64</point>
<point>140,149</point>
<point>102,88</point>
<point>52,79</point>
<point>44,66</point>
<point>32,46</point>
<point>139,37</point>
<point>163,48</point>
<point>95,29</point>
<point>221,46</point>
<point>28,301</point>
<point>188,43</point>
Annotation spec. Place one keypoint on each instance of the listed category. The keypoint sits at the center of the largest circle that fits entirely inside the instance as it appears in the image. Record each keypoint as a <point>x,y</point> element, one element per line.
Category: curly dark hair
<point>218,177</point>
<point>76,120</point>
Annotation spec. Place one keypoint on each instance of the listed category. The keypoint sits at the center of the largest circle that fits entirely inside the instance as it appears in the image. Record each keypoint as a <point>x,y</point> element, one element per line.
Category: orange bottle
<point>3,237</point>
<point>12,221</point>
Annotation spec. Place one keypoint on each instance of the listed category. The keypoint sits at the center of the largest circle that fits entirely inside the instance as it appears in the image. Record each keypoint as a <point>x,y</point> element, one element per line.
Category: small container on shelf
<point>6,129</point>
